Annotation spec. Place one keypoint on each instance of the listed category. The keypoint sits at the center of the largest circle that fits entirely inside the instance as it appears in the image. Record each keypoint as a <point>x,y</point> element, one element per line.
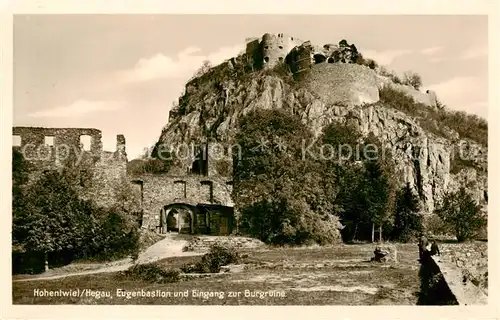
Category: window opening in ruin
<point>16,141</point>
<point>330,60</point>
<point>280,59</point>
<point>85,141</point>
<point>180,189</point>
<point>49,141</point>
<point>266,47</point>
<point>208,187</point>
<point>281,47</point>
<point>318,58</point>
<point>266,59</point>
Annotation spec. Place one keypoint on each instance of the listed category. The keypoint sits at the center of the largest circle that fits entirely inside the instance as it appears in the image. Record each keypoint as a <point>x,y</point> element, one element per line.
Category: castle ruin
<point>186,203</point>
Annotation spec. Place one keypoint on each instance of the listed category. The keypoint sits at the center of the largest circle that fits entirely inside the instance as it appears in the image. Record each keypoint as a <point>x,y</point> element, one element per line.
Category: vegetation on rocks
<point>437,120</point>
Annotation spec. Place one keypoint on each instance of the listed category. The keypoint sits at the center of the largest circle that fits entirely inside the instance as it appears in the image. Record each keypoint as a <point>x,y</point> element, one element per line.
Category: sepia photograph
<point>249,160</point>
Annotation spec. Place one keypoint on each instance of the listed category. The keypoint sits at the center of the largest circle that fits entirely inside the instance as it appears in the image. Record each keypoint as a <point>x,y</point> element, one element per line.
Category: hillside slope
<point>212,104</point>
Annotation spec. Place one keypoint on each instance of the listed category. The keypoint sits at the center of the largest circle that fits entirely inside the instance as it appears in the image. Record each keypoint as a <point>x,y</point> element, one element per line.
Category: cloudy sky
<point>121,73</point>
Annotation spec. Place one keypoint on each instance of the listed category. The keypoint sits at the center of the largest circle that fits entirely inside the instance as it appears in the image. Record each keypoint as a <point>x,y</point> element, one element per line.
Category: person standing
<point>422,246</point>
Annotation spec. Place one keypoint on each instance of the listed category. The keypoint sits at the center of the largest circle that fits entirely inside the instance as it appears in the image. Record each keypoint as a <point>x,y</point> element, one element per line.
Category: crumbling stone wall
<point>159,190</point>
<point>471,258</point>
<point>100,172</point>
<point>459,275</point>
<point>64,141</point>
<point>428,98</point>
<point>275,48</point>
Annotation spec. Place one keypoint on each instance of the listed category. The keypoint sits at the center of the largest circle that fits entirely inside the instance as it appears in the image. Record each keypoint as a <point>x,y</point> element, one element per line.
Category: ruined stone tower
<point>275,48</point>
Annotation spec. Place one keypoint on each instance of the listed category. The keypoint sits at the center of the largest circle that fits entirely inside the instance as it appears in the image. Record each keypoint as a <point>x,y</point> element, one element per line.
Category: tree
<point>461,214</point>
<point>55,219</point>
<point>407,222</point>
<point>369,200</point>
<point>203,69</point>
<point>20,177</point>
<point>412,79</point>
<point>278,191</point>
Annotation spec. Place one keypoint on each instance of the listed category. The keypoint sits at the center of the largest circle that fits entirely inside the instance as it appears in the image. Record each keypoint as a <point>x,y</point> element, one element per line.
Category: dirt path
<point>171,246</point>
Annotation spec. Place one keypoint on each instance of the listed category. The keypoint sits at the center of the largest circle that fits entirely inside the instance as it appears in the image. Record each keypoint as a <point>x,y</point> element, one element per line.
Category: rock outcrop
<point>422,158</point>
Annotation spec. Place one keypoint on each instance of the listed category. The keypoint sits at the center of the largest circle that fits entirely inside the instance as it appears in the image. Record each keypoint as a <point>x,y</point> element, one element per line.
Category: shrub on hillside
<point>412,79</point>
<point>151,273</point>
<point>391,75</point>
<point>281,70</point>
<point>437,120</point>
<point>212,261</point>
<point>370,63</point>
<point>462,214</point>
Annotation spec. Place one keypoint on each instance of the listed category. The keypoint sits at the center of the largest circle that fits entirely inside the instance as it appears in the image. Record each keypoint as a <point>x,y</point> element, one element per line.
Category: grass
<point>337,275</point>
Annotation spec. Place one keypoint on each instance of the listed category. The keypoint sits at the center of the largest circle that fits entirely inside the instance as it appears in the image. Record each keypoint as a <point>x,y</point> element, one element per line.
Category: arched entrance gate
<point>177,217</point>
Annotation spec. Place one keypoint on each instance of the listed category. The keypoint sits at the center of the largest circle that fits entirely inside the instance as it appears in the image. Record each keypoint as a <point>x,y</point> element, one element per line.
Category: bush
<point>114,236</point>
<point>282,71</point>
<point>55,221</point>
<point>435,226</point>
<point>152,273</point>
<point>461,214</point>
<point>437,120</point>
<point>412,79</point>
<point>372,64</point>
<point>212,261</point>
<point>391,75</point>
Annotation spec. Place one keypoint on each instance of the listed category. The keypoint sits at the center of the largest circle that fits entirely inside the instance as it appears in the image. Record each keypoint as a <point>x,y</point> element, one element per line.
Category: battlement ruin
<point>330,68</point>
<point>100,172</point>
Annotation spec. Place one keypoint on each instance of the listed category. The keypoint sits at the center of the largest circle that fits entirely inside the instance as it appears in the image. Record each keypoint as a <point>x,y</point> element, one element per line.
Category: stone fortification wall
<point>428,98</point>
<point>471,258</point>
<point>100,172</point>
<point>159,190</point>
<point>342,84</point>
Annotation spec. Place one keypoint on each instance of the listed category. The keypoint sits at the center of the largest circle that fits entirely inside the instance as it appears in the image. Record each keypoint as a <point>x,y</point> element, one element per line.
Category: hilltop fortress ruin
<point>329,70</point>
<point>196,197</point>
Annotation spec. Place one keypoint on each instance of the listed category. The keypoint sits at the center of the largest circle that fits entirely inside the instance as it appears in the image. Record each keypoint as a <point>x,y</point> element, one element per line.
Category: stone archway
<point>178,217</point>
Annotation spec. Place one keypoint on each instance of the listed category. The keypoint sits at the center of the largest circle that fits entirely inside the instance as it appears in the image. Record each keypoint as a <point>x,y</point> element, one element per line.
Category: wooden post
<point>380,233</point>
<point>46,261</point>
<point>373,232</point>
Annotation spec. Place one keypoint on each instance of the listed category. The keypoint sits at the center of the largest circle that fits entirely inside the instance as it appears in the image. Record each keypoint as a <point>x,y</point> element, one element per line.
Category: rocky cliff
<point>212,105</point>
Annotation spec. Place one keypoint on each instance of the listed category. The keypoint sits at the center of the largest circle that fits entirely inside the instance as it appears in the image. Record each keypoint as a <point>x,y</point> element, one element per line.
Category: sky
<point>121,73</point>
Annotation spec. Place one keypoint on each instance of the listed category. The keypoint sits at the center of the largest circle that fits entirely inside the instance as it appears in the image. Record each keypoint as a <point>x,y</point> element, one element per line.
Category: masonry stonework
<point>312,61</point>
<point>100,172</point>
<point>194,193</point>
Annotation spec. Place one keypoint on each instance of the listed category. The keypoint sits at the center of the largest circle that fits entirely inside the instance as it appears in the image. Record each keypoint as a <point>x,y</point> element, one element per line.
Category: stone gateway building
<point>186,204</point>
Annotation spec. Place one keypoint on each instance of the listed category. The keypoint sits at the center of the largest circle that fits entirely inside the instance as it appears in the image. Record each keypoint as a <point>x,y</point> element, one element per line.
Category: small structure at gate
<point>196,218</point>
